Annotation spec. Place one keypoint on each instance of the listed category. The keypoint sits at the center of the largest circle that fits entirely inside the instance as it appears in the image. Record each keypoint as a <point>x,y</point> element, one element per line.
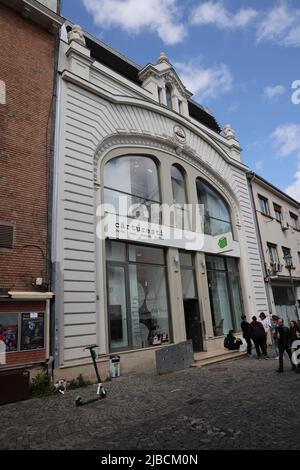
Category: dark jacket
<point>293,333</point>
<point>245,326</point>
<point>284,337</point>
<point>231,343</point>
<point>256,331</point>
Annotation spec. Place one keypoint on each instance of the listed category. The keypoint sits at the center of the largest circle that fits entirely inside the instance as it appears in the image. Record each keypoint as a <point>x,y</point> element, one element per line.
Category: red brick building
<point>29,31</point>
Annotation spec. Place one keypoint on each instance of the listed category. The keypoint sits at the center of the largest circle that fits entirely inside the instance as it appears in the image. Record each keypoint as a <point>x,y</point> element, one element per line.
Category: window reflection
<point>135,178</point>
<point>216,211</point>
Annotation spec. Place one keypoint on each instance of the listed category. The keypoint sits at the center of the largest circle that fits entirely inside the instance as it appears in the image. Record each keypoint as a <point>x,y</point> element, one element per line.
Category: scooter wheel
<point>78,401</point>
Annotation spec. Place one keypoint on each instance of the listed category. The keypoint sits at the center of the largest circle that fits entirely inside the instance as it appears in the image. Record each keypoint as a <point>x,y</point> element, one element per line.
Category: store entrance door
<point>193,323</point>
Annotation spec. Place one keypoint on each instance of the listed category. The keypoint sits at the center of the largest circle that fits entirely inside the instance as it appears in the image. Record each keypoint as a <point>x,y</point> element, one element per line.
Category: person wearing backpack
<point>258,336</point>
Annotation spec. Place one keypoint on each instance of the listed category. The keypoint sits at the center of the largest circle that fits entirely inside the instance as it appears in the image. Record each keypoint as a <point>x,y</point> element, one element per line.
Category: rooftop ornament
<point>228,132</point>
<point>76,35</point>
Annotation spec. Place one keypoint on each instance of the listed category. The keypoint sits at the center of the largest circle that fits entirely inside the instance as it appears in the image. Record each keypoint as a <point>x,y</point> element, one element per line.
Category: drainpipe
<point>51,313</point>
<point>260,244</point>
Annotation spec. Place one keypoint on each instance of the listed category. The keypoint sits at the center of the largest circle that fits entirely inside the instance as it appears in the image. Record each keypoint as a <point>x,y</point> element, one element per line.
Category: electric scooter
<point>101,393</point>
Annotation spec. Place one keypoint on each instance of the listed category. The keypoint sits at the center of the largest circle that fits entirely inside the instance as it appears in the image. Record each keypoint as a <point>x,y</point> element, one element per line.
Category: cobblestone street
<point>240,404</point>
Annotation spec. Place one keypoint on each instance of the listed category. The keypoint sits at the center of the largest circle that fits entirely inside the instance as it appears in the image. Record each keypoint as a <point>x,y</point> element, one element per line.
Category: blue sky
<point>238,57</point>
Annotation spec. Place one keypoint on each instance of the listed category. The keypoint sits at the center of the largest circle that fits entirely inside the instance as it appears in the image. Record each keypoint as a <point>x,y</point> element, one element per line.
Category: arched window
<point>216,211</point>
<point>135,178</point>
<point>179,196</point>
<point>169,96</point>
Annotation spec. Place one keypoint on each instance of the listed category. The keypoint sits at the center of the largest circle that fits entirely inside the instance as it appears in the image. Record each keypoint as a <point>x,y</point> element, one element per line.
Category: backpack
<point>256,330</point>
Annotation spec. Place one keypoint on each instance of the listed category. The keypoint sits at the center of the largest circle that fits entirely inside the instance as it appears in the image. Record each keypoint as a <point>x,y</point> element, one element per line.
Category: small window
<point>180,107</point>
<point>294,221</point>
<point>6,235</point>
<point>169,96</point>
<point>273,254</point>
<point>160,97</point>
<point>278,212</point>
<point>287,256</point>
<point>264,205</point>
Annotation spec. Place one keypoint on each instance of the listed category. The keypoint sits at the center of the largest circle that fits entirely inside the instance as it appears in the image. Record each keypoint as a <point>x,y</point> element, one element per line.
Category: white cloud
<point>210,82</point>
<point>134,16</point>
<point>280,25</point>
<point>294,189</point>
<point>286,140</point>
<point>258,164</point>
<point>215,13</point>
<point>271,92</point>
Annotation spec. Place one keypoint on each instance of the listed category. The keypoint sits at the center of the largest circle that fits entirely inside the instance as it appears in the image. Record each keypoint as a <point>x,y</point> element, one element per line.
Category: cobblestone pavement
<point>240,404</point>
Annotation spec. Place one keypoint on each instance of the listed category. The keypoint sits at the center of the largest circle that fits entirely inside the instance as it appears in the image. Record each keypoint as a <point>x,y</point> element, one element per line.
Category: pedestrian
<point>231,342</point>
<point>258,336</point>
<point>265,321</point>
<point>245,326</point>
<point>284,343</point>
<point>274,323</point>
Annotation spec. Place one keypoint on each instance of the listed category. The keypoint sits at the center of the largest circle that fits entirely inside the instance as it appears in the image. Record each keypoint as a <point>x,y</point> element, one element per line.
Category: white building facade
<point>134,132</point>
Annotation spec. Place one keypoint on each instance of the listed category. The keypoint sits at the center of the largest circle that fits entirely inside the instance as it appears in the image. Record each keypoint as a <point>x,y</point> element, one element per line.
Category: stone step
<point>205,359</point>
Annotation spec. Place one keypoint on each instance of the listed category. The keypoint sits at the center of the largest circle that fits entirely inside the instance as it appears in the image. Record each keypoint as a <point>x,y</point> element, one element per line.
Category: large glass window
<point>216,211</point>
<point>179,197</point>
<point>224,292</point>
<point>135,178</point>
<point>137,297</point>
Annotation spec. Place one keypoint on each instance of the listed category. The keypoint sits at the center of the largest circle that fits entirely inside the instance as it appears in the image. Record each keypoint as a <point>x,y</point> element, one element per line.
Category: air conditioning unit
<point>284,226</point>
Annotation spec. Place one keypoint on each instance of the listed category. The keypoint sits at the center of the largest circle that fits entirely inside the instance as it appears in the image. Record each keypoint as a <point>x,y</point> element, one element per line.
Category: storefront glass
<point>22,331</point>
<point>137,297</point>
<point>179,198</point>
<point>135,178</point>
<point>224,292</point>
<point>9,330</point>
<point>216,211</point>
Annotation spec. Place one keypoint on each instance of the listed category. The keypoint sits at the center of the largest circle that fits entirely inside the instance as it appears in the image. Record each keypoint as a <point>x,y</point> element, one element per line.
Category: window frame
<point>271,247</point>
<point>19,341</point>
<point>278,210</point>
<point>294,219</point>
<point>126,265</point>
<point>266,203</point>
<point>209,217</point>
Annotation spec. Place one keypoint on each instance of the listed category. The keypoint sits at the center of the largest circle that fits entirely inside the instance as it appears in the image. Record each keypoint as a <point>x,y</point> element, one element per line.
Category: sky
<point>240,58</point>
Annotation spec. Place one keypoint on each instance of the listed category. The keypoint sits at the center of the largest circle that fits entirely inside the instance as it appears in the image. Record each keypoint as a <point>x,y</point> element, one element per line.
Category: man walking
<point>245,326</point>
<point>284,343</point>
<point>258,336</point>
<point>266,324</point>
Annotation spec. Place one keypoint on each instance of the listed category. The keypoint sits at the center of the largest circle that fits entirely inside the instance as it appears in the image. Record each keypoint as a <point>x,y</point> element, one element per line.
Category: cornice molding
<point>201,132</point>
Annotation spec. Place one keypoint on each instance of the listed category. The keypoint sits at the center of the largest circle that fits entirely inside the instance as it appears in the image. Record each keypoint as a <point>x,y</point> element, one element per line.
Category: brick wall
<point>26,67</point>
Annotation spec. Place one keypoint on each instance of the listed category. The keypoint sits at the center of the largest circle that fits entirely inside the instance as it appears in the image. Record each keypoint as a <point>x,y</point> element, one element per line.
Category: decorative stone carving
<point>76,35</point>
<point>228,132</point>
<point>179,133</point>
<point>163,58</point>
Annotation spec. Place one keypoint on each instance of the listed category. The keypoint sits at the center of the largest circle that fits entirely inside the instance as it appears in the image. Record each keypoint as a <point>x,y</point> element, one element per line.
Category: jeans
<point>260,345</point>
<point>249,345</point>
<point>276,347</point>
<point>281,353</point>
